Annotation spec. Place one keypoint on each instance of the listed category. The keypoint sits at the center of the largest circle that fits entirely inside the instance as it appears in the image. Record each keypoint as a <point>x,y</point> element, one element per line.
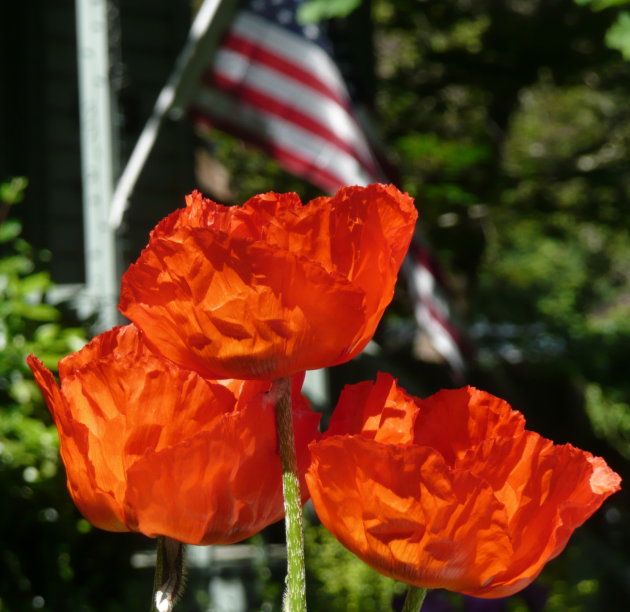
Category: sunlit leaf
<point>9,229</point>
<point>618,35</point>
<point>37,312</point>
<point>317,10</point>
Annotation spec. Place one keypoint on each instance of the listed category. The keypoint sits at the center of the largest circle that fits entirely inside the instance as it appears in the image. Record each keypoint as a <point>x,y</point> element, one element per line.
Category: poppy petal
<point>272,287</point>
<point>99,506</point>
<point>404,513</point>
<point>220,486</point>
<point>450,491</point>
<point>455,420</point>
<point>123,410</point>
<point>380,411</point>
<point>548,491</point>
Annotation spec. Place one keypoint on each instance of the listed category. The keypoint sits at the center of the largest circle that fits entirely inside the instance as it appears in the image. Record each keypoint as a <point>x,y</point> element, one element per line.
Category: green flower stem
<point>169,574</point>
<point>415,598</point>
<point>295,594</point>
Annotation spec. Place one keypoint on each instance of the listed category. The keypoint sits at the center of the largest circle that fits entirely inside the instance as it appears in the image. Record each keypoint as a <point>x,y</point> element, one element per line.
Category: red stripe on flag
<point>441,321</point>
<point>425,258</point>
<point>292,163</point>
<point>260,101</point>
<point>255,52</point>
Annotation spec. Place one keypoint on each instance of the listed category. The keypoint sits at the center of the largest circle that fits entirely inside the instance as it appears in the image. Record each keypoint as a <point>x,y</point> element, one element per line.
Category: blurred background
<point>507,120</point>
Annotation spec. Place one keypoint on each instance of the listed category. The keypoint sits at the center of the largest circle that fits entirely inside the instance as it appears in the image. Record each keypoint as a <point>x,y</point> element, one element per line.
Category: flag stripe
<point>286,136</point>
<point>425,258</point>
<point>296,152</point>
<point>290,94</point>
<point>273,83</point>
<point>440,335</point>
<point>432,312</point>
<point>290,162</point>
<point>258,54</point>
<point>278,97</point>
<point>302,56</point>
<point>426,286</point>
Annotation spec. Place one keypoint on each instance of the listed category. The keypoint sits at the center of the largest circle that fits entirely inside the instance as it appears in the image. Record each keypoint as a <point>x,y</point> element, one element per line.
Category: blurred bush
<point>49,558</point>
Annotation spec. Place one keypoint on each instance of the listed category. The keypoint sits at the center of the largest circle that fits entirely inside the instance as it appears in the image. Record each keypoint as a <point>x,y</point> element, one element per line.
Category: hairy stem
<point>295,594</point>
<point>169,574</point>
<point>414,599</point>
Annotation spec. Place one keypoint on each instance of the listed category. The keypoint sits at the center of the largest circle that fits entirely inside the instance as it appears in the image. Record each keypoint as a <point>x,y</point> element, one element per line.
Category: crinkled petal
<point>131,400</point>
<point>548,491</point>
<point>122,408</point>
<point>221,486</point>
<point>489,502</point>
<point>99,506</point>
<point>238,310</point>
<point>273,287</point>
<point>401,510</point>
<point>379,410</point>
<point>455,420</point>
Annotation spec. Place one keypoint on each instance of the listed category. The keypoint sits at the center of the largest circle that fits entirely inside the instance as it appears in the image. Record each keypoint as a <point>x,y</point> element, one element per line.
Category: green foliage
<point>610,417</point>
<point>337,580</point>
<point>12,191</point>
<point>618,35</point>
<point>562,129</point>
<point>600,5</point>
<point>254,171</point>
<point>557,244</point>
<point>42,559</point>
<point>578,582</point>
<point>28,440</point>
<point>314,11</point>
<point>439,154</point>
<point>27,324</point>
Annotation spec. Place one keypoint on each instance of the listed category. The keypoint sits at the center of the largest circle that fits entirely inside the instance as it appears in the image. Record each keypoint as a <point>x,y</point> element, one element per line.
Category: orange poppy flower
<point>271,287</point>
<point>153,448</point>
<point>451,491</point>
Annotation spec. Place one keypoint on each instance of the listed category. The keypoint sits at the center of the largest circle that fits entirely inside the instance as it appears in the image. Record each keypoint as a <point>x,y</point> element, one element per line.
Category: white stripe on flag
<point>299,50</point>
<point>426,286</point>
<point>302,143</point>
<point>432,311</point>
<point>441,339</point>
<point>322,109</point>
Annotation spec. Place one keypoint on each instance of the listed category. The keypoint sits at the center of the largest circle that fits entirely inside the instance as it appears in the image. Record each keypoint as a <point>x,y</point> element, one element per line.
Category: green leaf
<point>448,155</point>
<point>618,35</point>
<point>37,312</point>
<point>315,11</point>
<point>13,191</point>
<point>40,281</point>
<point>600,5</point>
<point>47,332</point>
<point>610,418</point>
<point>9,230</point>
<point>16,264</point>
<point>24,391</point>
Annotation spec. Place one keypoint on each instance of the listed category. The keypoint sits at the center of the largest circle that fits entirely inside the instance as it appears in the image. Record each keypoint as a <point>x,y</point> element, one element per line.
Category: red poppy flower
<point>153,448</point>
<point>451,491</point>
<point>272,287</point>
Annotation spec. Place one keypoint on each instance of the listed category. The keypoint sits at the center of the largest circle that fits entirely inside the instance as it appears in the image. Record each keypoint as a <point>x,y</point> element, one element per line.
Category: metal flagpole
<point>173,97</point>
<point>101,291</point>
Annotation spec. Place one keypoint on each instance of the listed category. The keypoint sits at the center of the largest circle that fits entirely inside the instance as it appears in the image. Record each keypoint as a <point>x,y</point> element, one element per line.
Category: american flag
<point>432,310</point>
<point>273,82</point>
